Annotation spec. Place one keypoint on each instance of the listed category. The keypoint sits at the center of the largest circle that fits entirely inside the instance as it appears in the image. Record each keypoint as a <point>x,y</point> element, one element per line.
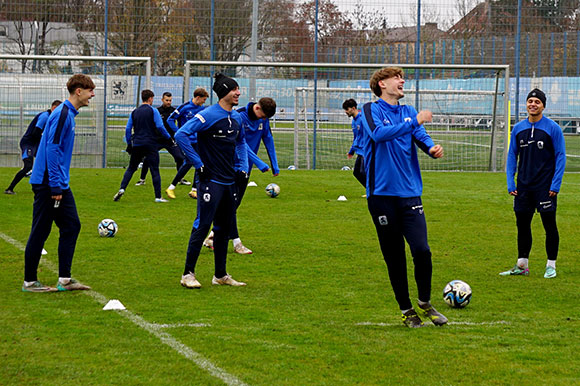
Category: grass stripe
<point>152,328</point>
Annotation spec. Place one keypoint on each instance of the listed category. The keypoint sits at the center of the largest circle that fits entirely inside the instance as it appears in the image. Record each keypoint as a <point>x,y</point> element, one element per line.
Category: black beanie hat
<point>223,85</point>
<point>537,93</point>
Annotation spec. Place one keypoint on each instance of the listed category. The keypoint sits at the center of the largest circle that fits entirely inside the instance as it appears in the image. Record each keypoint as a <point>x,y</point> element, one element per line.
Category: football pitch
<point>318,308</point>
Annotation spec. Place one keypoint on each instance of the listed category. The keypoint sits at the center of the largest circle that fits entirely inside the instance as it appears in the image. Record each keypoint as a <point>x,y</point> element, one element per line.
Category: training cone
<point>114,304</point>
<point>44,251</point>
<point>252,183</point>
<point>341,198</point>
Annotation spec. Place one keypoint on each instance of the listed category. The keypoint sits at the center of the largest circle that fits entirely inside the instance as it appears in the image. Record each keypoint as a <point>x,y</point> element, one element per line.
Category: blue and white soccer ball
<point>291,167</point>
<point>457,294</point>
<point>108,228</point>
<point>272,190</point>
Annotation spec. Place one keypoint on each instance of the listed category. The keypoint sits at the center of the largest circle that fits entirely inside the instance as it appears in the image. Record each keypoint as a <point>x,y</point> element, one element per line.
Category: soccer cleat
<point>140,183</point>
<point>161,200</point>
<point>430,312</point>
<point>184,182</point>
<point>411,319</point>
<point>72,285</point>
<point>193,194</point>
<point>516,271</point>
<point>170,193</point>
<point>118,195</point>
<point>37,286</point>
<point>189,281</point>
<point>550,273</point>
<point>242,250</point>
<point>227,280</point>
<point>208,242</point>
<point>9,191</point>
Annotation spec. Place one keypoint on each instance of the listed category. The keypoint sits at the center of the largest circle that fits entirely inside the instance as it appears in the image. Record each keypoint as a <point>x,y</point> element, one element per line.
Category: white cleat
<point>189,281</point>
<point>242,250</point>
<point>227,280</point>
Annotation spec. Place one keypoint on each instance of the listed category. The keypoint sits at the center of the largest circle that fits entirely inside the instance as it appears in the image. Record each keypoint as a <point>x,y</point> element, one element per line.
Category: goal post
<point>311,131</point>
<point>26,90</point>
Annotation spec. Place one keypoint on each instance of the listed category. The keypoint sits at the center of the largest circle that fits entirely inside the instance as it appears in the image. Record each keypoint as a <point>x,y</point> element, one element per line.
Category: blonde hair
<point>384,73</point>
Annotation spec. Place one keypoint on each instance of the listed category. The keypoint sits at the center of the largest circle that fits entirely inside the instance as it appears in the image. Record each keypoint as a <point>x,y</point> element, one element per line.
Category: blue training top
<point>183,114</point>
<point>257,130</point>
<point>144,125</point>
<point>33,134</point>
<point>52,166</point>
<point>357,134</point>
<point>541,151</point>
<point>221,144</point>
<point>390,133</point>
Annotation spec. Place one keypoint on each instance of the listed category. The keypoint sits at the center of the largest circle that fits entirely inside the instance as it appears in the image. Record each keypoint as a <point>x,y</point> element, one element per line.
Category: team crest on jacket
<point>386,121</point>
<point>540,145</point>
<point>383,220</point>
<point>408,119</point>
<point>206,197</point>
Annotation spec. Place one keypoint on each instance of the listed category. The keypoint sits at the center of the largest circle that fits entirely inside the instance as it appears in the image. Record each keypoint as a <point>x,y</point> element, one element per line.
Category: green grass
<point>316,274</point>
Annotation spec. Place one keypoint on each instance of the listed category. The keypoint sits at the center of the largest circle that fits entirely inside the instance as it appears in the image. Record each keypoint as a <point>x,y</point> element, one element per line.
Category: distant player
<point>538,151</point>
<point>350,108</point>
<point>221,148</point>
<point>29,144</point>
<point>142,132</point>
<point>53,198</point>
<point>165,110</point>
<point>394,186</point>
<point>177,119</point>
<point>256,126</point>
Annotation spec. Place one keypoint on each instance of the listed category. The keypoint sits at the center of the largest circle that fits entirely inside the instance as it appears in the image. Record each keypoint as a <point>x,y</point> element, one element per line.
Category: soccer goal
<point>311,130</point>
<point>29,84</point>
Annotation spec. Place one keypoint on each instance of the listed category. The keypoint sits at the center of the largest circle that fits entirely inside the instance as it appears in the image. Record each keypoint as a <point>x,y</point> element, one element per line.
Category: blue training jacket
<point>541,151</point>
<point>144,126</point>
<point>183,114</point>
<point>221,144</point>
<point>33,134</point>
<point>357,132</point>
<point>52,166</point>
<point>390,133</point>
<point>257,130</point>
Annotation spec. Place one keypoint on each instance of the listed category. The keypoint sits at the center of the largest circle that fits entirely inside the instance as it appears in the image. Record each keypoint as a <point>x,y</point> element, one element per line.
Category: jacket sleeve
<point>253,157</point>
<point>560,156</point>
<point>172,120</point>
<point>57,129</point>
<point>182,138</point>
<point>241,159</point>
<point>382,132</point>
<point>268,140</point>
<point>128,130</point>
<point>512,163</point>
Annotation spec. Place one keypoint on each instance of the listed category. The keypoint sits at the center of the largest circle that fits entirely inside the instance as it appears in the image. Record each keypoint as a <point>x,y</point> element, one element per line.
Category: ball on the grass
<point>291,167</point>
<point>272,190</point>
<point>457,294</point>
<point>346,167</point>
<point>108,228</point>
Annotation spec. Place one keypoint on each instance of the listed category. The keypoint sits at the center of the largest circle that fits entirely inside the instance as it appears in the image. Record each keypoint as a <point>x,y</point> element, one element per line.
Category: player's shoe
<point>72,285</point>
<point>193,194</point>
<point>161,200</point>
<point>516,271</point>
<point>37,286</point>
<point>140,183</point>
<point>9,191</point>
<point>208,242</point>
<point>189,281</point>
<point>428,311</point>
<point>550,273</point>
<point>118,195</point>
<point>227,280</point>
<point>242,250</point>
<point>411,319</point>
<point>184,182</point>
<point>170,193</point>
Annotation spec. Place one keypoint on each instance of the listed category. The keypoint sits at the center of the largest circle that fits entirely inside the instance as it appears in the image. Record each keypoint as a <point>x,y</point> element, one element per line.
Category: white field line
<point>450,323</point>
<point>153,328</point>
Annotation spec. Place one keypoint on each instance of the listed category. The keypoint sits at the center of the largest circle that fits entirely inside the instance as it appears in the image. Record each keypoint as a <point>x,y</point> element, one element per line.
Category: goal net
<point>312,131</point>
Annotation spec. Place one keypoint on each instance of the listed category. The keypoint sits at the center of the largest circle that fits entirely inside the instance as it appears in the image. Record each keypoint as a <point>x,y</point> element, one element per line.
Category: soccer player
<point>350,108</point>
<point>256,126</point>
<point>394,187</point>
<point>221,148</point>
<point>141,133</point>
<point>53,198</point>
<point>29,144</point>
<point>165,110</point>
<point>177,119</point>
<point>537,150</point>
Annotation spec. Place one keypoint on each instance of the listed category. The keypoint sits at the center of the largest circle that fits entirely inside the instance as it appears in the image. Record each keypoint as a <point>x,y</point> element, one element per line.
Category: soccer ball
<point>345,167</point>
<point>457,294</point>
<point>108,228</point>
<point>291,167</point>
<point>272,190</point>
